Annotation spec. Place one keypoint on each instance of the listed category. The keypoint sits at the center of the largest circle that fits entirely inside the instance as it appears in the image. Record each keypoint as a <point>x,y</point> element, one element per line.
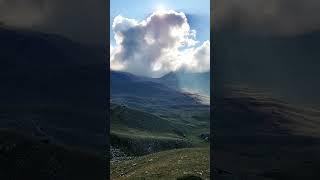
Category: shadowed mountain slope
<point>52,86</point>
<point>52,116</point>
<point>287,67</point>
<point>259,137</point>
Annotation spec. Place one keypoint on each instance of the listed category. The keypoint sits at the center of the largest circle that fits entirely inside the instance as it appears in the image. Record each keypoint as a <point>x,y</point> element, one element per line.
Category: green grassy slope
<point>138,132</point>
<point>148,119</point>
<point>170,164</point>
<point>123,117</point>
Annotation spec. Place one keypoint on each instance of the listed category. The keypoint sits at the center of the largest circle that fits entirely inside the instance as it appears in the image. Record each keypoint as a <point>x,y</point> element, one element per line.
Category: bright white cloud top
<point>161,43</point>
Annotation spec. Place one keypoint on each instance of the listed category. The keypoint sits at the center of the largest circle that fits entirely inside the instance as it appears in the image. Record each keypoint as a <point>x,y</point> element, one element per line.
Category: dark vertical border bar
<point>211,88</point>
<point>108,89</point>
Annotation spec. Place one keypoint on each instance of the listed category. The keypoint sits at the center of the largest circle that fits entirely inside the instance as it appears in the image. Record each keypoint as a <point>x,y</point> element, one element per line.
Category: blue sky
<point>197,12</point>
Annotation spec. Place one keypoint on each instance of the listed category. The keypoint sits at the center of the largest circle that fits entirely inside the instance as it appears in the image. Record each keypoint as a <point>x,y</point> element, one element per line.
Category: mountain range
<point>140,103</point>
<point>156,120</point>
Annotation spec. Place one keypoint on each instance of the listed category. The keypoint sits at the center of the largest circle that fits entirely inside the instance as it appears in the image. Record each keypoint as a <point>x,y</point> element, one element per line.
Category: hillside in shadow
<point>266,120</point>
<point>51,107</point>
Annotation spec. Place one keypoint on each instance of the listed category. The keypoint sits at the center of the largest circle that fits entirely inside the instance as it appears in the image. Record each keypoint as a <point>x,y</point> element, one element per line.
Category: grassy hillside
<point>26,157</point>
<point>137,132</point>
<point>124,117</point>
<point>147,119</point>
<point>170,164</point>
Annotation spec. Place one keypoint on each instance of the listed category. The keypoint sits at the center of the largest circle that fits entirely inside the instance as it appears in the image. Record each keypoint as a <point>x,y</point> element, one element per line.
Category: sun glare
<point>160,8</point>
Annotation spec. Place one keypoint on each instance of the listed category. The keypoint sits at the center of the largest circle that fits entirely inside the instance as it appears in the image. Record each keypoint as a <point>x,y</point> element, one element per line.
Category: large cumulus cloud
<point>161,43</point>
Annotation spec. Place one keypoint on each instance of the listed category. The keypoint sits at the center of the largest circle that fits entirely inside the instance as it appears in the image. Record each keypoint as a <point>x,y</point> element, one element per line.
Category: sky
<point>199,10</point>
<point>152,38</point>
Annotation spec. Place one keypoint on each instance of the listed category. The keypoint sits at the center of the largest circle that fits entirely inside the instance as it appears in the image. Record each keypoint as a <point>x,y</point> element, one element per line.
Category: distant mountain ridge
<point>124,85</point>
<point>193,82</point>
<point>178,81</point>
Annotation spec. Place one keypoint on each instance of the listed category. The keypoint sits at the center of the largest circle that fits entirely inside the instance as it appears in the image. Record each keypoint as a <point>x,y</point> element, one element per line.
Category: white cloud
<point>161,43</point>
<point>197,59</point>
